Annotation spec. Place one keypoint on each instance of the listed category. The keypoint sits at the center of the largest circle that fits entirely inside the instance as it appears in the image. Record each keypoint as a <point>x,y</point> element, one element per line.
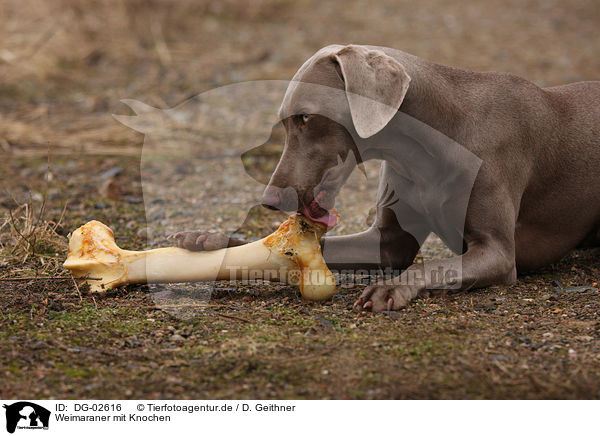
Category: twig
<point>37,46</point>
<point>16,229</point>
<point>77,288</point>
<point>40,216</point>
<point>62,215</point>
<point>16,279</point>
<point>161,47</point>
<point>237,318</point>
<point>95,305</point>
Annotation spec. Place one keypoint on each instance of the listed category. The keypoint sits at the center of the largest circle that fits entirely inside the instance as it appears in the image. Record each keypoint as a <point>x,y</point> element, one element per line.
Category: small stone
<point>111,189</point>
<point>498,357</point>
<point>37,345</point>
<point>392,314</point>
<point>177,338</point>
<point>134,200</point>
<point>53,193</point>
<point>157,215</point>
<point>581,289</point>
<point>111,172</point>
<point>324,322</point>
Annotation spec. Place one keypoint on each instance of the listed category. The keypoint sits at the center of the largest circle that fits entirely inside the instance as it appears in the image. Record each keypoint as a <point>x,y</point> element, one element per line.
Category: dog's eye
<point>305,118</point>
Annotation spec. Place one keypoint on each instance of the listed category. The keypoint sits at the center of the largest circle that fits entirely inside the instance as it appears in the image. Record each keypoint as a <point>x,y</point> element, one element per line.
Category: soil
<point>65,67</point>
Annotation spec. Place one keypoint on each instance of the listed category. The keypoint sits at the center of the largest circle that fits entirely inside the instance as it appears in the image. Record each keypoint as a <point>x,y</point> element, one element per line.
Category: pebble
<point>110,189</point>
<point>177,338</point>
<point>111,172</point>
<point>157,215</point>
<point>37,345</point>
<point>392,314</point>
<point>324,322</point>
<point>579,289</point>
<point>498,357</point>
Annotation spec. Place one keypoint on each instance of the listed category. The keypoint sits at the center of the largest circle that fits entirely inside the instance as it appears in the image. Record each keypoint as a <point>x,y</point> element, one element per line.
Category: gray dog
<point>528,159</point>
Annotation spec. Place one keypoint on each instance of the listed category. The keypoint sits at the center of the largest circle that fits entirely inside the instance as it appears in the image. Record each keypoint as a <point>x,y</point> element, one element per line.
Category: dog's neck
<point>435,98</point>
<point>422,142</point>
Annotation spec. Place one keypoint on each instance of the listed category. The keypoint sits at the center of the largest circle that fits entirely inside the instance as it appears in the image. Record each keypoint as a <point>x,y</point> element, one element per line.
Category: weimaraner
<point>530,167</point>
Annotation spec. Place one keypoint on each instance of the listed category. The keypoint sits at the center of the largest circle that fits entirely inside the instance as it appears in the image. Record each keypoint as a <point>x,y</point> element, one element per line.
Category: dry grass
<point>29,240</point>
<point>64,67</point>
<point>29,235</point>
<point>66,64</point>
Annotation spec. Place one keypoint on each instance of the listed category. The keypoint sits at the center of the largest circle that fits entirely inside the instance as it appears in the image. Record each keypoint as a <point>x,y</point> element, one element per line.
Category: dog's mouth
<point>317,213</point>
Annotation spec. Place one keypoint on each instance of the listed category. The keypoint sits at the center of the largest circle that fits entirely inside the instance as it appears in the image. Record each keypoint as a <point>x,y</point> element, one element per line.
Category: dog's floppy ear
<point>375,86</point>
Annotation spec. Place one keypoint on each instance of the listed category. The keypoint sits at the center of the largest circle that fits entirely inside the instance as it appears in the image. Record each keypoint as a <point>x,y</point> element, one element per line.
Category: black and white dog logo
<point>26,415</point>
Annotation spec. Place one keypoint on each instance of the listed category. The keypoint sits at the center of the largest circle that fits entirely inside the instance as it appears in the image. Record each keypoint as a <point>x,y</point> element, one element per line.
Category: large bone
<point>291,254</point>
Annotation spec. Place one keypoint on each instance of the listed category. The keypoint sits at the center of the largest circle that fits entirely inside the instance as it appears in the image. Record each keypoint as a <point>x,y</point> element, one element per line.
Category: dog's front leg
<point>373,249</point>
<point>482,265</point>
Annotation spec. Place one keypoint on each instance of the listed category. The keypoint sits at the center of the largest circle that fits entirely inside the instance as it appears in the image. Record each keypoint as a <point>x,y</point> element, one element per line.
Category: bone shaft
<point>166,264</point>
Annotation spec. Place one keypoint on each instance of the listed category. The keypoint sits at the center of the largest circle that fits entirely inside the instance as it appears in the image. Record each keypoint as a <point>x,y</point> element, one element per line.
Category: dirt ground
<point>65,66</point>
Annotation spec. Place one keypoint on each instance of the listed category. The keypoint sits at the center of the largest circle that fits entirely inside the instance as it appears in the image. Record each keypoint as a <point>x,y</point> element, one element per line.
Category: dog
<point>527,157</point>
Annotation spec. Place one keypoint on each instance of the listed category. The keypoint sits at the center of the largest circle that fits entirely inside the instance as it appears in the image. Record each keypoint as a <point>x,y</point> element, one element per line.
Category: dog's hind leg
<point>591,240</point>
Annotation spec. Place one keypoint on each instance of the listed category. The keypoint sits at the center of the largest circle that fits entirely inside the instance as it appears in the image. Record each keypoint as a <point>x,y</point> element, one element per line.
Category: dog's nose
<point>276,198</point>
<point>271,198</point>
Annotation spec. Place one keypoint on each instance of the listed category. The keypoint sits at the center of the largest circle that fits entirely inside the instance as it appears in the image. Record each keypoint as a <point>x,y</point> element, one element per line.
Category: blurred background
<point>65,66</point>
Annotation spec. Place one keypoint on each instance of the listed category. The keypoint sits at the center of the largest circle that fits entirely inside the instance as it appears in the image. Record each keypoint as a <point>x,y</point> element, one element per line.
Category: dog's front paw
<point>378,298</point>
<point>201,241</point>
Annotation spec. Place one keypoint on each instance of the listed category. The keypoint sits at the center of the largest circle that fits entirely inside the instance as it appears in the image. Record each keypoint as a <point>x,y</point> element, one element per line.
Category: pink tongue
<point>329,219</point>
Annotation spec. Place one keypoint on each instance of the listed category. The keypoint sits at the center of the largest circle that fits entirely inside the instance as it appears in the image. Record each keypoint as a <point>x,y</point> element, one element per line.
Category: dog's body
<point>535,196</point>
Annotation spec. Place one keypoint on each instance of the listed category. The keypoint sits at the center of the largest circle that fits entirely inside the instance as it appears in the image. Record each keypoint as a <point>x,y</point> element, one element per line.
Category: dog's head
<point>340,95</point>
